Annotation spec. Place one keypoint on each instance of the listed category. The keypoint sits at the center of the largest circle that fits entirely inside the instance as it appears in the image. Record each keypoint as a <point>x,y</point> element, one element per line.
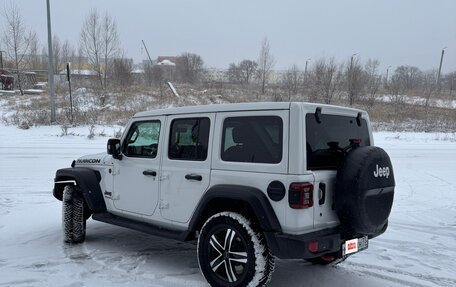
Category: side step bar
<point>141,226</point>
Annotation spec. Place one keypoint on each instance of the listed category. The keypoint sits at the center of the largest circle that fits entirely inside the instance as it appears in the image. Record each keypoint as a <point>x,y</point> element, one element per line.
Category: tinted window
<point>189,139</point>
<point>326,140</point>
<point>142,139</point>
<point>252,139</point>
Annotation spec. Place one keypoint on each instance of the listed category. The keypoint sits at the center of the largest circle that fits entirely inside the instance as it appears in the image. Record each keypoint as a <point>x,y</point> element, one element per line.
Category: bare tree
<point>67,52</point>
<point>91,42</point>
<point>79,60</point>
<point>429,88</point>
<point>111,42</point>
<point>291,80</point>
<point>396,91</point>
<point>34,60</point>
<point>409,76</point>
<point>120,70</point>
<point>265,64</point>
<point>16,39</point>
<point>243,72</point>
<point>190,67</point>
<point>56,50</point>
<point>450,82</point>
<point>325,79</point>
<point>234,74</point>
<point>373,80</point>
<point>247,69</point>
<point>44,58</point>
<point>148,73</point>
<point>354,79</point>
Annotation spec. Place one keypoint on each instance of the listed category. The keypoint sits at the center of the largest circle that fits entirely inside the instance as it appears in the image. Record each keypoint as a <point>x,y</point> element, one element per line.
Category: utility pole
<point>69,88</point>
<point>440,69</point>
<point>150,60</point>
<point>1,60</point>
<point>387,70</point>
<point>50,64</point>
<point>305,70</point>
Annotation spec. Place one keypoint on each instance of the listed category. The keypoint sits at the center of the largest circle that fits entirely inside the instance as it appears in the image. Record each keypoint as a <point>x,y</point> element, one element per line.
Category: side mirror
<point>113,148</point>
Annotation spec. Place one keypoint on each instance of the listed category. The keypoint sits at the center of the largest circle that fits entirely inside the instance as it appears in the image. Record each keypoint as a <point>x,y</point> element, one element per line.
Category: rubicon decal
<point>89,160</point>
<point>381,171</point>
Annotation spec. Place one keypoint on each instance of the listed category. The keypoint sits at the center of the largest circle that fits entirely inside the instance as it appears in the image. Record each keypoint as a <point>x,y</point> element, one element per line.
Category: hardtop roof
<point>255,106</point>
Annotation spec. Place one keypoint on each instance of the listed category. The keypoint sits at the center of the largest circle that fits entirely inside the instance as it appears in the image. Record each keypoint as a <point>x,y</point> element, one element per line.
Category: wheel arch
<point>246,200</point>
<point>87,180</point>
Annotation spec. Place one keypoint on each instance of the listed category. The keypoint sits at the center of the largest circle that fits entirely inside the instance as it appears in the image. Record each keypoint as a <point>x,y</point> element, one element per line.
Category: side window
<point>189,139</point>
<point>252,139</point>
<point>142,139</point>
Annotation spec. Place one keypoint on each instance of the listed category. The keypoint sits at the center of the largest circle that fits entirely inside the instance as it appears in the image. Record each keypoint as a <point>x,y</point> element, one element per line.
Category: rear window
<point>255,139</point>
<point>327,139</point>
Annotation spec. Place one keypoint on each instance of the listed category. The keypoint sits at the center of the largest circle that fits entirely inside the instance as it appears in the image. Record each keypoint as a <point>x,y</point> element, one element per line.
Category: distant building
<point>167,60</point>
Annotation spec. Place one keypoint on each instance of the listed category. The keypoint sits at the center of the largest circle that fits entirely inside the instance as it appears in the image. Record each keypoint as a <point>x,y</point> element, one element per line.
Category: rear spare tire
<point>364,191</point>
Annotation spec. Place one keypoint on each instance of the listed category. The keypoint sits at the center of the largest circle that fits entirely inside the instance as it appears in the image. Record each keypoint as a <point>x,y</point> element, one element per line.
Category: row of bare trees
<point>99,49</point>
<point>99,45</point>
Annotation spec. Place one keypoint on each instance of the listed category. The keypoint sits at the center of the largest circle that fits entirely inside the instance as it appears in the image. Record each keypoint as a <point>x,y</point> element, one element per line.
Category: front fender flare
<point>87,180</point>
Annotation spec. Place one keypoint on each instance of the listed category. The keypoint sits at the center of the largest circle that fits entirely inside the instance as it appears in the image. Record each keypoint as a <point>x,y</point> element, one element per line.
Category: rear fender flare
<point>254,197</point>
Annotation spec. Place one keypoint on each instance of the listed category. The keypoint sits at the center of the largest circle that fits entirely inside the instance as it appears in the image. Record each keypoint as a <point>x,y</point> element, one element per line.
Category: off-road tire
<point>232,253</point>
<point>73,219</point>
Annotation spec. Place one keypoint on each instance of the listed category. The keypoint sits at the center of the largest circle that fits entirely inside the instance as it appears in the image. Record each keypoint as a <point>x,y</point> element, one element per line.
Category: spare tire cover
<point>364,190</point>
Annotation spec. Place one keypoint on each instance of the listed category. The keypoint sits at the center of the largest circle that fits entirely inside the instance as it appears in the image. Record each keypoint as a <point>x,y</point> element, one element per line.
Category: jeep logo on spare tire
<point>381,171</point>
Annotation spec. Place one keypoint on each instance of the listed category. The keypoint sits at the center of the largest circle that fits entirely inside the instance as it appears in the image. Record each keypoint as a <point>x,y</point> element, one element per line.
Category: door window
<point>142,139</point>
<point>189,139</point>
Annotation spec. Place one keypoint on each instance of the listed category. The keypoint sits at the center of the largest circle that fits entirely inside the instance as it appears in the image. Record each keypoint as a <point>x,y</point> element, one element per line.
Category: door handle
<point>322,193</point>
<point>150,172</point>
<point>194,177</point>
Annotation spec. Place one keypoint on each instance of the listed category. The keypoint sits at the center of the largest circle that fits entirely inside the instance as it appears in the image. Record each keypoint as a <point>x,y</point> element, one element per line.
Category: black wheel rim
<point>227,252</point>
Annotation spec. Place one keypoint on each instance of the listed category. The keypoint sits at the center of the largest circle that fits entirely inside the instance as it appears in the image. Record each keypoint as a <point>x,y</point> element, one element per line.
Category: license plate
<point>355,245</point>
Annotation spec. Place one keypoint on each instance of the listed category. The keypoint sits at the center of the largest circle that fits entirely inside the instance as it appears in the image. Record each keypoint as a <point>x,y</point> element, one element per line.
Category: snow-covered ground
<point>418,249</point>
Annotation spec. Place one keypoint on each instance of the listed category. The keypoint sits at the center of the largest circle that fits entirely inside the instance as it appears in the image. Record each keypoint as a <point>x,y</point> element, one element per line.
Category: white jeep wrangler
<point>249,181</point>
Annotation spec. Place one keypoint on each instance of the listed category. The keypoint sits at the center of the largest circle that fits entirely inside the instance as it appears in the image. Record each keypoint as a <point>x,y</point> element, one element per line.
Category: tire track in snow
<point>371,269</point>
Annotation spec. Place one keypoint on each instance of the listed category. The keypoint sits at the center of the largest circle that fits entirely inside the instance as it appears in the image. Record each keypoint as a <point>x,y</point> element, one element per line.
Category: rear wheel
<point>73,219</point>
<point>231,253</point>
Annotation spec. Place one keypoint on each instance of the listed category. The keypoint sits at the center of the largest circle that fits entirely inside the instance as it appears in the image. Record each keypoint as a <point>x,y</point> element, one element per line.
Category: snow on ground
<point>418,249</point>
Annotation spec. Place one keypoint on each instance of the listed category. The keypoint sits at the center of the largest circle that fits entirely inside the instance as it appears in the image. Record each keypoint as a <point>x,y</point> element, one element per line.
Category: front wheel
<point>73,218</point>
<point>231,253</point>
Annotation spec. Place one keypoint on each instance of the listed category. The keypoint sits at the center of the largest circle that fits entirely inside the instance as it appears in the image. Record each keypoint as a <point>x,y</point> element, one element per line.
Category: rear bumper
<point>310,245</point>
<point>286,246</point>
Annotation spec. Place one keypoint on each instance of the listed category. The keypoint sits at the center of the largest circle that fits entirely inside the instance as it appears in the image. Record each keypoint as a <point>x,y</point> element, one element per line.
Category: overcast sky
<point>397,32</point>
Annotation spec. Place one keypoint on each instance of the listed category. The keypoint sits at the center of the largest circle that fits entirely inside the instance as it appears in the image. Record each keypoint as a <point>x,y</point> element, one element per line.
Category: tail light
<point>300,195</point>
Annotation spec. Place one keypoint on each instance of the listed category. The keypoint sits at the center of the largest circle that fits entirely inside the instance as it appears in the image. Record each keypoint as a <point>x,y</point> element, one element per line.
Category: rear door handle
<point>194,177</point>
<point>150,172</point>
